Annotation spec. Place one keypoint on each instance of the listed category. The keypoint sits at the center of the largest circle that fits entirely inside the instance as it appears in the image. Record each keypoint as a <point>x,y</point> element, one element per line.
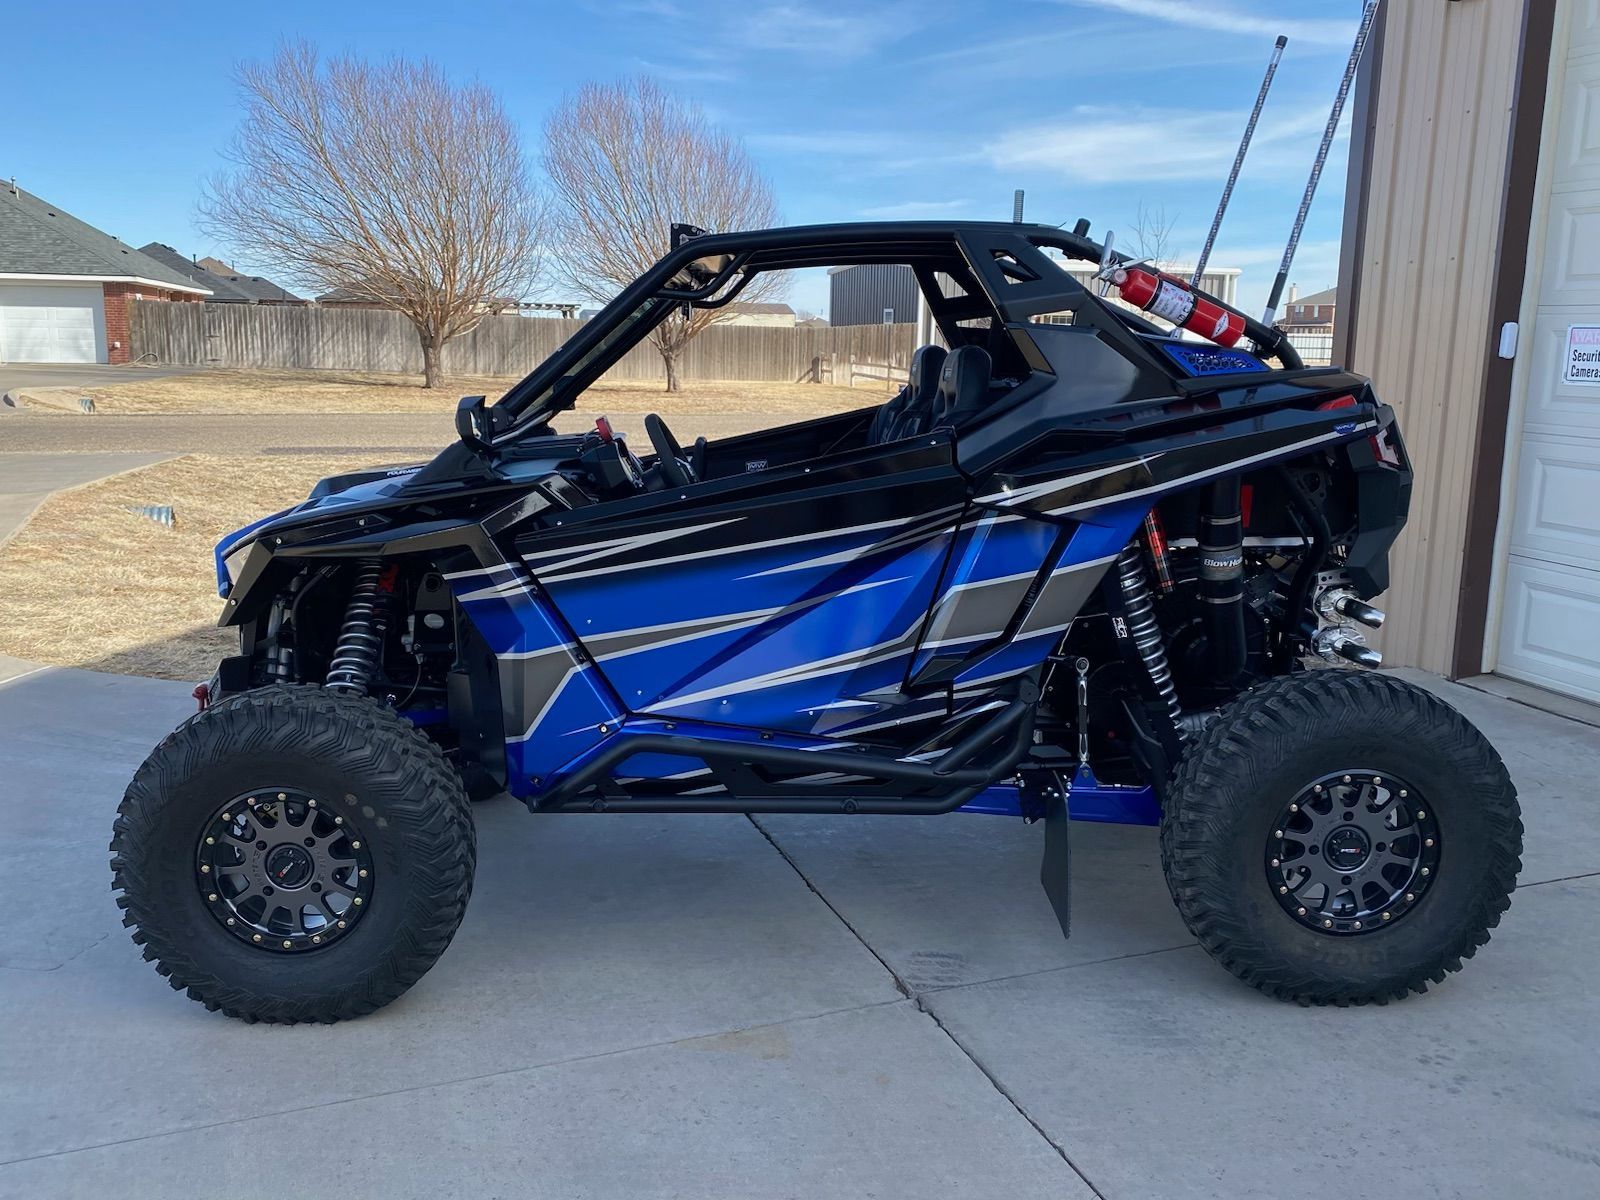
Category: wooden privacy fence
<point>369,339</point>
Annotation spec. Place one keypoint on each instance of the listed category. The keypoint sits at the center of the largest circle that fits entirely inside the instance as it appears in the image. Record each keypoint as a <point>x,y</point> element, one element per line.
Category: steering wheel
<point>669,455</point>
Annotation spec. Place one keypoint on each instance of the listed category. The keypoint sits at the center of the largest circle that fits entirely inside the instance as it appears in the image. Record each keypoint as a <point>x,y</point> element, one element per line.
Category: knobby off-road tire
<point>392,793</point>
<point>1236,782</point>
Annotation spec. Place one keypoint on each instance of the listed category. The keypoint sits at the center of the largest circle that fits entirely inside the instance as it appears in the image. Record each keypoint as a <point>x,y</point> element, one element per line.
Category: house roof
<point>37,238</point>
<point>228,286</point>
<point>347,296</point>
<point>762,308</point>
<point>1326,296</point>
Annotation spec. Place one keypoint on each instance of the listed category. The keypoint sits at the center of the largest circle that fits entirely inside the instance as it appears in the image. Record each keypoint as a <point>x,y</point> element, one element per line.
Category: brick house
<point>1315,311</point>
<point>65,286</point>
<point>227,285</point>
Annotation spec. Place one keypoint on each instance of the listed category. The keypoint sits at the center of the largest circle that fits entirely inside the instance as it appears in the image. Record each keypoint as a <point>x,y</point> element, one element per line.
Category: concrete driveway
<point>642,1006</point>
<point>27,479</point>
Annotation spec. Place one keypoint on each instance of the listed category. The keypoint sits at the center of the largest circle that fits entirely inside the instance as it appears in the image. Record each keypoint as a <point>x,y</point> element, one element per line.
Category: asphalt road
<point>699,1006</point>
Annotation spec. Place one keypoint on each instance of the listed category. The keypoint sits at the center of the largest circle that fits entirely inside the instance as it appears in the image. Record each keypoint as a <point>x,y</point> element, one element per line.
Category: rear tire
<point>1300,741</point>
<point>388,839</point>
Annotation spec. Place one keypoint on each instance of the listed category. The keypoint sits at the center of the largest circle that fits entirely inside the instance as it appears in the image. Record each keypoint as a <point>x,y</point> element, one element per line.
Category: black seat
<point>911,410</point>
<point>963,386</point>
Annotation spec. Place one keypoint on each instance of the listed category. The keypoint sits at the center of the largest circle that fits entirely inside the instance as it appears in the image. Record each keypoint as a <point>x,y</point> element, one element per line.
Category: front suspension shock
<point>360,647</point>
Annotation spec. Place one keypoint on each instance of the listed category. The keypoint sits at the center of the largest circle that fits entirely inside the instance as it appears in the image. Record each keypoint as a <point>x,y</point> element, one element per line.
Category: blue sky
<point>855,109</point>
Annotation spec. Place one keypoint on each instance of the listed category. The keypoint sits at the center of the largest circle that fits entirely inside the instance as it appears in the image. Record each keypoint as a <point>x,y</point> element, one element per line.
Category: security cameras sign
<point>1582,363</point>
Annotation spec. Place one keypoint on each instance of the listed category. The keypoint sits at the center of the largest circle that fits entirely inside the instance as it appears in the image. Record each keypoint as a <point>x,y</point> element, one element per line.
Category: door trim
<point>1472,652</point>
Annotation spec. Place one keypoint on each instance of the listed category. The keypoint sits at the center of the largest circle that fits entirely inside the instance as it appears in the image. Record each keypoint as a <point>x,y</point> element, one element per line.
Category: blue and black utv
<point>1082,567</point>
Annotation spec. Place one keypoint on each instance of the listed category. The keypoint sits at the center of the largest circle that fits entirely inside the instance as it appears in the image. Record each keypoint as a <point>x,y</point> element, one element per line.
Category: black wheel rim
<point>281,871</point>
<point>1353,852</point>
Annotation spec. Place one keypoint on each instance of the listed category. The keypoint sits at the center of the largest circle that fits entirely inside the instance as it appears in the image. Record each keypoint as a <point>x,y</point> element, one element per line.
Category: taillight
<point>1382,448</point>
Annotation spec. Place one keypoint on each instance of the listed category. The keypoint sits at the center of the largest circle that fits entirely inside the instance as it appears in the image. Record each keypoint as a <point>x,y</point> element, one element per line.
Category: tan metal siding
<point>1432,230</point>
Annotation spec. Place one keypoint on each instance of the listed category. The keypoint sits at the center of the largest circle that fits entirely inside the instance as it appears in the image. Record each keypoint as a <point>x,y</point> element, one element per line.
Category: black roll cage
<point>999,268</point>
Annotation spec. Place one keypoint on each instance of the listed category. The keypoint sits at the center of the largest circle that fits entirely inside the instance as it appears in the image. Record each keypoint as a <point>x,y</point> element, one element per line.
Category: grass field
<point>268,392</point>
<point>86,583</point>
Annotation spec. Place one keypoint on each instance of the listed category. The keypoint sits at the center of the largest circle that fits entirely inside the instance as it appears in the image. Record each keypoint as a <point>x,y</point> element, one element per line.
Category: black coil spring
<point>1143,627</point>
<point>360,646</point>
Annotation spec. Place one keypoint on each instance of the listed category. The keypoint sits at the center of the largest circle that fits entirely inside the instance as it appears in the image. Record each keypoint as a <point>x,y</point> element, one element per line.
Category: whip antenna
<point>1238,161</point>
<point>1322,157</point>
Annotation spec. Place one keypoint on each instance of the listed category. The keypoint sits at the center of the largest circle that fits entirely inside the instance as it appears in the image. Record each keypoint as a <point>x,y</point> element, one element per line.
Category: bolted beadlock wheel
<point>294,855</point>
<point>1341,837</point>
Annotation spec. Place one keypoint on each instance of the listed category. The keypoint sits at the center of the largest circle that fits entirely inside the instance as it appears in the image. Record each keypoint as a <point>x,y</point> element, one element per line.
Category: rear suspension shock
<point>360,646</point>
<point>1143,628</point>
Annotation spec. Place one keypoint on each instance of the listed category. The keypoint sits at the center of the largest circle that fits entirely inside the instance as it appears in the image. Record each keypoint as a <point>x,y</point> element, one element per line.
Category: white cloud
<point>910,210</point>
<point>1108,145</point>
<point>1220,17</point>
<point>806,28</point>
<point>679,73</point>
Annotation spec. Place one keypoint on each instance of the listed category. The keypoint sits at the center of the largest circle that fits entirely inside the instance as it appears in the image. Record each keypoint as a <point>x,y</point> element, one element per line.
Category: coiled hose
<point>1134,583</point>
<point>360,646</point>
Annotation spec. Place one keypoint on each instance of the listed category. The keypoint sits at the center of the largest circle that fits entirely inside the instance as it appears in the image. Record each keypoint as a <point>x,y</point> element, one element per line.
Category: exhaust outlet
<point>1340,602</point>
<point>1334,642</point>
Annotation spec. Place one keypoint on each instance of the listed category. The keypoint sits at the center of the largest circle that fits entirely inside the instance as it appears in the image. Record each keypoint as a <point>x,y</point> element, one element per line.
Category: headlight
<point>235,560</point>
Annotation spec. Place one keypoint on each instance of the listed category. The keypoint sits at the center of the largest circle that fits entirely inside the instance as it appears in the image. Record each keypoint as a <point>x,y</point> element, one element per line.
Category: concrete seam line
<point>923,1008</point>
<point>1558,879</point>
<point>901,984</point>
<point>1092,962</point>
<point>5,683</point>
<point>443,1083</point>
<point>1005,1094</point>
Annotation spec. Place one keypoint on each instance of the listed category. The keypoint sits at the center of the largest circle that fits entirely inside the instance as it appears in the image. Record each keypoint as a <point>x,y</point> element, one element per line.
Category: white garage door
<point>51,323</point>
<point>1550,619</point>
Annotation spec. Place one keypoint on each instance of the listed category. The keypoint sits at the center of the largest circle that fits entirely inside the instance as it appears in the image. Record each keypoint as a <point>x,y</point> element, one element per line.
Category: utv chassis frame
<point>1110,416</point>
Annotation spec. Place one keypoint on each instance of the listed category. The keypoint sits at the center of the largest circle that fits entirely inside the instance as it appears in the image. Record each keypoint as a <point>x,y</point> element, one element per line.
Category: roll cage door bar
<point>1001,267</point>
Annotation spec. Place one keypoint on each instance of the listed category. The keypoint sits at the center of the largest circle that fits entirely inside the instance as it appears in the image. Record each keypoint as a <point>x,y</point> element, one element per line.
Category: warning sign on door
<point>1583,355</point>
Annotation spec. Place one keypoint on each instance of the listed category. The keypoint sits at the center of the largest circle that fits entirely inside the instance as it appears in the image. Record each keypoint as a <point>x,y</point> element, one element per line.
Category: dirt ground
<point>86,583</point>
<point>276,393</point>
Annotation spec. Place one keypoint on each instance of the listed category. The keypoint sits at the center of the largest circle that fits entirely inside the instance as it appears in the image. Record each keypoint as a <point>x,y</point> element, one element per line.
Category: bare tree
<point>1152,234</point>
<point>383,180</point>
<point>625,161</point>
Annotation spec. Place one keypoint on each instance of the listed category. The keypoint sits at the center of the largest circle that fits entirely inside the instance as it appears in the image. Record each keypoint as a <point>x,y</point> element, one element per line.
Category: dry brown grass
<point>85,583</point>
<point>268,392</point>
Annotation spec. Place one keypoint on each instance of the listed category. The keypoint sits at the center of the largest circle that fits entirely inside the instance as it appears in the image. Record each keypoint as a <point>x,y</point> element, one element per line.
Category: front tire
<point>1341,837</point>
<point>291,854</point>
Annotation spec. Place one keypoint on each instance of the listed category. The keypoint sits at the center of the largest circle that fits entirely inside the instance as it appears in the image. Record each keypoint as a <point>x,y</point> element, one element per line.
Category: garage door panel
<point>1554,407</point>
<point>1551,615</point>
<point>1577,154</point>
<point>1585,37</point>
<point>51,323</point>
<point>1558,516</point>
<point>1572,249</point>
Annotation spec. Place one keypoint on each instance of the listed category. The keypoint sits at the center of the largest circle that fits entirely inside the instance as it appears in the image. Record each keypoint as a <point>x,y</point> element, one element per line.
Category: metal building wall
<point>1428,239</point>
<point>858,295</point>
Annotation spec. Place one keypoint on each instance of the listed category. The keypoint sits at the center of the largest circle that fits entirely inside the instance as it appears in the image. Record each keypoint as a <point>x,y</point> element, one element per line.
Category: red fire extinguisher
<point>1171,299</point>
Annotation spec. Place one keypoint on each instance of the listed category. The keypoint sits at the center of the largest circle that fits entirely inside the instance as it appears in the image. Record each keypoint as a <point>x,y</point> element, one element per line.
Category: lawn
<point>267,392</point>
<point>86,583</point>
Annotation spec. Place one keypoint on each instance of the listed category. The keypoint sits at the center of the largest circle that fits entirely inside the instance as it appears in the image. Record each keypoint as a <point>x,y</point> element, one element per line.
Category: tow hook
<point>202,696</point>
